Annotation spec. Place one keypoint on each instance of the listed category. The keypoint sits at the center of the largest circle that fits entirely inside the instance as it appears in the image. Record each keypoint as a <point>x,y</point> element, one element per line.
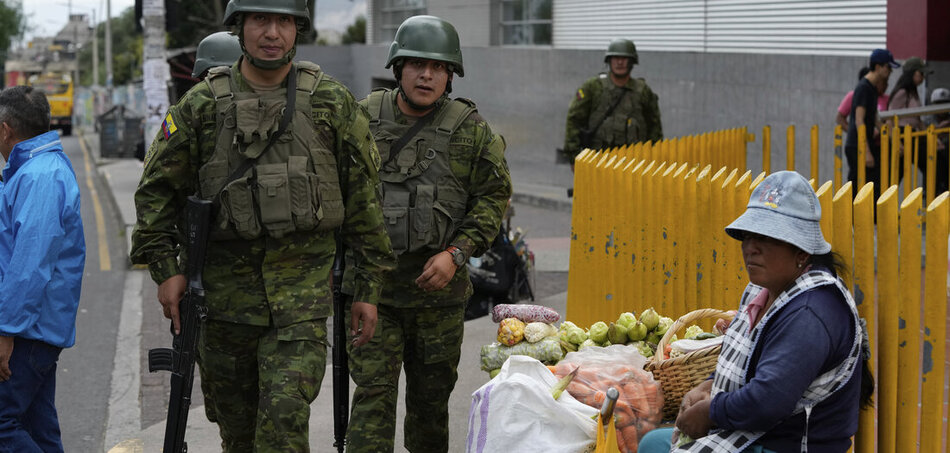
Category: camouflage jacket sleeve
<point>167,179</point>
<point>651,114</point>
<point>364,232</point>
<point>489,192</point>
<point>578,115</point>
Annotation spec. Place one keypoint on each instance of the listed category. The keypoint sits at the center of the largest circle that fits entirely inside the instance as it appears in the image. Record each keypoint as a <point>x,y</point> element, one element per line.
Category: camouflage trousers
<point>258,383</point>
<point>429,342</point>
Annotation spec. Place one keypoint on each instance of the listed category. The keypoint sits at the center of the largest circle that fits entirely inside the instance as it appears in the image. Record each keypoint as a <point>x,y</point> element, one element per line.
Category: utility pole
<point>95,50</point>
<point>155,71</point>
<point>109,49</point>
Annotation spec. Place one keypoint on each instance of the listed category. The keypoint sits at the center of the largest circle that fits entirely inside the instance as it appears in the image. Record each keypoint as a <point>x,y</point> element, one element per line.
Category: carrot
<point>553,369</point>
<point>631,438</point>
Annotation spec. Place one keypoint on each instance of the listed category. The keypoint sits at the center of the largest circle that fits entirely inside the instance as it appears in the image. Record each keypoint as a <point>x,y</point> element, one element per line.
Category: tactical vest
<point>294,186</point>
<point>423,200</point>
<point>626,124</point>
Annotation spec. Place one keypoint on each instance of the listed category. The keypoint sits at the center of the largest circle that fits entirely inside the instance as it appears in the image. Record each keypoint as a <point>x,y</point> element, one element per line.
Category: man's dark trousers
<point>28,421</point>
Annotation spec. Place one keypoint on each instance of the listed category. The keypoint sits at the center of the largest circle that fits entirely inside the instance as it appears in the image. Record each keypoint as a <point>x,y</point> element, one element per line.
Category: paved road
<point>84,372</point>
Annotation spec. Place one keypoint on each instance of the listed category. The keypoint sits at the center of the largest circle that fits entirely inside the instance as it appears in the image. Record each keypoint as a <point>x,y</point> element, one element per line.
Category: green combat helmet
<point>217,49</point>
<point>296,8</point>
<point>427,37</point>
<point>622,48</point>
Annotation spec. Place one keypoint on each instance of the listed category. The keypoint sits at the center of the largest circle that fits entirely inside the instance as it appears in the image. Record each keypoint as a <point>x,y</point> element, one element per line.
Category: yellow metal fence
<point>648,231</point>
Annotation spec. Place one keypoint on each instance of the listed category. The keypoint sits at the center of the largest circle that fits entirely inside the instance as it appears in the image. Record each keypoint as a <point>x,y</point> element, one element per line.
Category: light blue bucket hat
<point>784,207</point>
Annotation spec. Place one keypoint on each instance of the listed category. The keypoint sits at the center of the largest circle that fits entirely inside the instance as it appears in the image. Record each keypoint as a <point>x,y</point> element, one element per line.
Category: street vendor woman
<point>793,371</point>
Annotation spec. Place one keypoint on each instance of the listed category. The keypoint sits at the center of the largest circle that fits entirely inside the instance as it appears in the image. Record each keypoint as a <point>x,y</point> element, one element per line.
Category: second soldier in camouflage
<point>445,188</point>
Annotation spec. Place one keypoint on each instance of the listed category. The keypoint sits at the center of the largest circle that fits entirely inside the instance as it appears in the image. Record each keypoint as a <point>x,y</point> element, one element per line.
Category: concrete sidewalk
<point>122,176</point>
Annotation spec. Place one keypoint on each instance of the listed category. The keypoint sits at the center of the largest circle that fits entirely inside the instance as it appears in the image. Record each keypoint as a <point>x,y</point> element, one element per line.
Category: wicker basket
<point>680,374</point>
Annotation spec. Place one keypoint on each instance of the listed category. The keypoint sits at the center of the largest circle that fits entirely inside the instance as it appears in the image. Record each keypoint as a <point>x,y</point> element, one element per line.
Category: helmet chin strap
<point>270,65</point>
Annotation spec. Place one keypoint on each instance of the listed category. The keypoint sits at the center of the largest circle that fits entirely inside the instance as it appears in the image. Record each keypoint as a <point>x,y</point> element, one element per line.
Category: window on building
<point>525,22</point>
<point>393,12</point>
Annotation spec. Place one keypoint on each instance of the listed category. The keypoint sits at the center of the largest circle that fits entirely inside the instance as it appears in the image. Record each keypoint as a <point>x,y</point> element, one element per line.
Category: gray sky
<point>46,17</point>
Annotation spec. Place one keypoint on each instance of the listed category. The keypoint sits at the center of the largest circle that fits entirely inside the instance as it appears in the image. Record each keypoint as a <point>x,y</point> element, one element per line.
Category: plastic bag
<point>639,408</point>
<point>548,350</point>
<point>516,412</point>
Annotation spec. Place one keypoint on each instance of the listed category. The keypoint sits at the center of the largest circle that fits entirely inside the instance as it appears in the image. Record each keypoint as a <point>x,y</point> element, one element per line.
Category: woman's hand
<point>694,421</point>
<point>697,394</point>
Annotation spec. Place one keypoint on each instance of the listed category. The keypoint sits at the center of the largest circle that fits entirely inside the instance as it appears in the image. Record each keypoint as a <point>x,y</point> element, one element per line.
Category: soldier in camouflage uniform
<point>262,351</point>
<point>612,109</point>
<point>445,188</point>
<point>217,49</point>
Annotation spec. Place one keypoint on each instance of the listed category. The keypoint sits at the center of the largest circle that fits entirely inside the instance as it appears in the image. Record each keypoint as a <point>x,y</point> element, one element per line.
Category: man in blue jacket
<point>42,253</point>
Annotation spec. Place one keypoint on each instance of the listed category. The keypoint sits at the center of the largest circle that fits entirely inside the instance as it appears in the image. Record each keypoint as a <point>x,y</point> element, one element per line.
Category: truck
<point>58,87</point>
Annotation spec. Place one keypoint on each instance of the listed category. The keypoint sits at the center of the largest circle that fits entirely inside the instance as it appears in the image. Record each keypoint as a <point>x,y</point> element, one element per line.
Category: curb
<point>545,201</point>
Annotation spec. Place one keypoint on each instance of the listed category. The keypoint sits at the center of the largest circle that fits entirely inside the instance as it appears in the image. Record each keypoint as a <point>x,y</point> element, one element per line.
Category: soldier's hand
<point>6,351</point>
<point>362,323</point>
<point>437,272</point>
<point>170,293</point>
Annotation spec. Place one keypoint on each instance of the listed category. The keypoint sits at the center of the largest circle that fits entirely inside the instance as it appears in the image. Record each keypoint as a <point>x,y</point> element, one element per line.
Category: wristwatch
<point>458,257</point>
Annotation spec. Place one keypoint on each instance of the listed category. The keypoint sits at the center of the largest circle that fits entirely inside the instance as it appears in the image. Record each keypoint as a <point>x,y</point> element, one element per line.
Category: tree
<point>356,33</point>
<point>126,51</point>
<point>12,26</point>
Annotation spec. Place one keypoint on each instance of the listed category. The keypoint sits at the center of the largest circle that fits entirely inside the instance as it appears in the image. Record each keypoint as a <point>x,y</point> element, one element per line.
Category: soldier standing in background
<point>612,109</point>
<point>445,188</point>
<point>217,49</point>
<point>281,190</point>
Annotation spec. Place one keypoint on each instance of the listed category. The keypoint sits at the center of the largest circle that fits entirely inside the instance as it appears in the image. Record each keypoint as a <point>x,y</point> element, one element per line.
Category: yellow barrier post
<point>862,150</point>
<point>935,324</point>
<point>814,152</point>
<point>842,234</point>
<point>894,132</point>
<point>790,148</point>
<point>579,214</point>
<point>827,213</point>
<point>839,156</point>
<point>885,164</point>
<point>727,245</point>
<point>664,241</point>
<point>679,241</point>
<point>642,263</point>
<point>767,149</point>
<point>695,237</point>
<point>603,220</point>
<point>909,162</point>
<point>863,260</point>
<point>908,356</point>
<point>931,176</point>
<point>736,275</point>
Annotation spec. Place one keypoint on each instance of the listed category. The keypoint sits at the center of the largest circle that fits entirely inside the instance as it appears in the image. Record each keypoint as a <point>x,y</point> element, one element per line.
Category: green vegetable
<point>586,344</point>
<point>692,331</point>
<point>627,320</point>
<point>663,325</point>
<point>637,332</point>
<point>617,333</point>
<point>644,349</point>
<point>493,373</point>
<point>598,332</point>
<point>705,336</point>
<point>650,318</point>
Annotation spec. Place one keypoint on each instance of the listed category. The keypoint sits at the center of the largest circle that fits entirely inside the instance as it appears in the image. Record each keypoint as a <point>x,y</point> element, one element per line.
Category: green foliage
<point>126,52</point>
<point>12,25</point>
<point>356,33</point>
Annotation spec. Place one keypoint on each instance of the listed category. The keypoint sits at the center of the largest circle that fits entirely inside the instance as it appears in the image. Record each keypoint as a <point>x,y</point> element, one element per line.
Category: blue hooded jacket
<point>42,247</point>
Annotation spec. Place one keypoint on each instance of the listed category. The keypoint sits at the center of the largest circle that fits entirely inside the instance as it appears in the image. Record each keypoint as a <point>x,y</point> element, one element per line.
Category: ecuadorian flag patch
<point>168,126</point>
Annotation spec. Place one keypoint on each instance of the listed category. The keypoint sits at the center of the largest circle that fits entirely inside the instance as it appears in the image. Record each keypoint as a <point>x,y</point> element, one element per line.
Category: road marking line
<point>105,263</point>
<point>124,423</point>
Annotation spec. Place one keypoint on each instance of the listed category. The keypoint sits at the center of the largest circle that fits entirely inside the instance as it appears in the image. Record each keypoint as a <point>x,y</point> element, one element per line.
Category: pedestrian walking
<point>864,111</point>
<point>613,108</point>
<point>285,154</point>
<point>42,256</point>
<point>445,189</point>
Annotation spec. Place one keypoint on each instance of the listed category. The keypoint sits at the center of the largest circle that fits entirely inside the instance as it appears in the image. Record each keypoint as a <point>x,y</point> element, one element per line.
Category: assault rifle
<point>341,371</point>
<point>180,358</point>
